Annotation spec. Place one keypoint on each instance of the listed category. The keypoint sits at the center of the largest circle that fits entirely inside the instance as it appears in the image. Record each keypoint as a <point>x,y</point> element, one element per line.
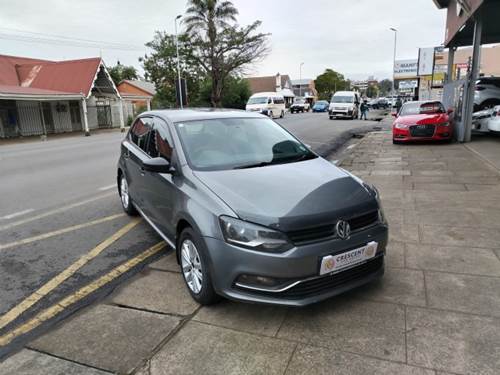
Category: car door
<point>134,153</point>
<point>159,188</point>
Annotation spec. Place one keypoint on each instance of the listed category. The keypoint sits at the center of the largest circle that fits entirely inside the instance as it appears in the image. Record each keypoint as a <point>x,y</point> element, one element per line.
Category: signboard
<point>405,68</point>
<point>425,61</point>
<point>408,84</point>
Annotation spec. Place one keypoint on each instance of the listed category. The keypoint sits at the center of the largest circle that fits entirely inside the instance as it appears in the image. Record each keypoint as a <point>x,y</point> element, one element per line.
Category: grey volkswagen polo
<point>253,214</point>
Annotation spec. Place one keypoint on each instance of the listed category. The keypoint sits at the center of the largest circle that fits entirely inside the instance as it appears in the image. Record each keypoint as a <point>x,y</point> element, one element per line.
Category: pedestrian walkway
<point>436,311</point>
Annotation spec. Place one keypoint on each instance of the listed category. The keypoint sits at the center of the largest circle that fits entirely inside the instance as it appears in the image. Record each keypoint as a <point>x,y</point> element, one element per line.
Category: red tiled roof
<point>8,89</point>
<point>71,76</point>
<point>265,84</point>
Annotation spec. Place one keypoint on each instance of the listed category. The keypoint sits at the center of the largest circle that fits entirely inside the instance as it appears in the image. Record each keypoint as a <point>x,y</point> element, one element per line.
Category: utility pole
<point>394,60</point>
<point>178,65</point>
<point>300,79</point>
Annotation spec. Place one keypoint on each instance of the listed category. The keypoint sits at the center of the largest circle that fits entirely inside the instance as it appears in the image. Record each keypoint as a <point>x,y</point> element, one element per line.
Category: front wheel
<point>126,201</point>
<point>271,114</point>
<point>195,270</point>
<point>282,114</point>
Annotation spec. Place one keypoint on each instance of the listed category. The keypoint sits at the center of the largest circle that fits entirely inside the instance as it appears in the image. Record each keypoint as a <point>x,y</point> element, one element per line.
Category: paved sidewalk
<point>436,311</point>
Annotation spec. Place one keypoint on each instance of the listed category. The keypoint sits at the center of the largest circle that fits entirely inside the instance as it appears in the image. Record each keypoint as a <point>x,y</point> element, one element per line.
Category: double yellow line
<point>52,284</point>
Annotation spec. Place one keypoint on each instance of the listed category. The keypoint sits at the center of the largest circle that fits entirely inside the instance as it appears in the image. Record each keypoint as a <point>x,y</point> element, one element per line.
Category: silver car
<point>487,93</point>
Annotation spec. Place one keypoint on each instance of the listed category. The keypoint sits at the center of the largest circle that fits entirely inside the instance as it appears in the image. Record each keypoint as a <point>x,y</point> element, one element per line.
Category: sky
<point>349,36</point>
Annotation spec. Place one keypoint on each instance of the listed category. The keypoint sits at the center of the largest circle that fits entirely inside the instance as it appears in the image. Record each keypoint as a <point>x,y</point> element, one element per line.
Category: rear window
<point>414,108</point>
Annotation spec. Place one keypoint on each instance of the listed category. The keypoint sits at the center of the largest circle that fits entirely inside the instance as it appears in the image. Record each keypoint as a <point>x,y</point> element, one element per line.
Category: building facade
<point>41,97</point>
<point>280,84</point>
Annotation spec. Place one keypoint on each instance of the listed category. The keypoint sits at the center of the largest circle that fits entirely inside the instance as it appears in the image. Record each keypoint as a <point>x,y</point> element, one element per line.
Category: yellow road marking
<point>59,231</point>
<point>45,289</point>
<point>55,211</point>
<point>55,309</point>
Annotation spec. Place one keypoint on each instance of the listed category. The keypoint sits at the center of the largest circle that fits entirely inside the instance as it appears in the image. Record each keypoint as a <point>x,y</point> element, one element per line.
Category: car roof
<point>178,115</point>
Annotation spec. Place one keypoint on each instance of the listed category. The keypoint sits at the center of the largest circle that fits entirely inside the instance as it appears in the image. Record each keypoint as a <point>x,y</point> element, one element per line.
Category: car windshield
<point>234,143</point>
<point>342,99</point>
<point>258,100</point>
<point>298,101</point>
<point>414,108</point>
<point>321,103</point>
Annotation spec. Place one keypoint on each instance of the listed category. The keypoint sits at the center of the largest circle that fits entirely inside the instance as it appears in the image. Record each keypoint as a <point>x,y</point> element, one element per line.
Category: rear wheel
<point>282,114</point>
<point>127,204</point>
<point>271,114</point>
<point>195,269</point>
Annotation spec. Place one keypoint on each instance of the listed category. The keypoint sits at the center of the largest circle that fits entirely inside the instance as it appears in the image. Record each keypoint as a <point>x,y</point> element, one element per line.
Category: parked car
<point>300,105</point>
<point>379,103</point>
<point>320,106</point>
<point>494,121</point>
<point>267,103</point>
<point>422,121</point>
<point>252,213</point>
<point>480,120</point>
<point>487,93</point>
<point>344,104</point>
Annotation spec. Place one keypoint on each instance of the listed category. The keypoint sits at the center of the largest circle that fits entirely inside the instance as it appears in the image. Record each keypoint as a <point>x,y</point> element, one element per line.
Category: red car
<point>422,121</point>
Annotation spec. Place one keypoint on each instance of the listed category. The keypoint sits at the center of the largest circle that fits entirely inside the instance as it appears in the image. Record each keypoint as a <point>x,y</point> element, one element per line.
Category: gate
<point>103,116</point>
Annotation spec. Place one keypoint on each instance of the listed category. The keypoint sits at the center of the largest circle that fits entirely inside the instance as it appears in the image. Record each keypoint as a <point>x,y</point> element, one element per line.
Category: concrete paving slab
<point>442,215</point>
<point>30,362</point>
<point>350,324</point>
<point>258,319</point>
<point>395,254</point>
<point>460,236</point>
<point>453,259</point>
<point>404,233</point>
<point>204,349</point>
<point>322,361</point>
<point>466,293</point>
<point>107,337</point>
<point>453,342</point>
<point>167,263</point>
<point>155,290</point>
<point>398,285</point>
<point>434,186</point>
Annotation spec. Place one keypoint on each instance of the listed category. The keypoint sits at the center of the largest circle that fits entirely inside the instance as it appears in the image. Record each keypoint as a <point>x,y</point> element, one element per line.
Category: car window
<point>139,133</point>
<point>231,143</point>
<point>160,144</point>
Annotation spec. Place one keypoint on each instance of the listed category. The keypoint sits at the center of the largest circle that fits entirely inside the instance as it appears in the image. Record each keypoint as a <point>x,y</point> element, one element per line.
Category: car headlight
<point>381,215</point>
<point>445,124</point>
<point>253,236</point>
<point>400,126</point>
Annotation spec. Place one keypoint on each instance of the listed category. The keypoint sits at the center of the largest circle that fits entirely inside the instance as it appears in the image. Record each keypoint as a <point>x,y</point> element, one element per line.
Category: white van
<point>267,103</point>
<point>344,104</point>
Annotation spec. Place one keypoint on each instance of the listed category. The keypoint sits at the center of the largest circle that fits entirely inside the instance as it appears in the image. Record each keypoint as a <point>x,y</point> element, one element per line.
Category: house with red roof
<point>137,96</point>
<point>40,97</point>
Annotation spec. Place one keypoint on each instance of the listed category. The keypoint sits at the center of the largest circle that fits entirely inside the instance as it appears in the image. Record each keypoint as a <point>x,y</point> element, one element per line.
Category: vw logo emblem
<point>343,229</point>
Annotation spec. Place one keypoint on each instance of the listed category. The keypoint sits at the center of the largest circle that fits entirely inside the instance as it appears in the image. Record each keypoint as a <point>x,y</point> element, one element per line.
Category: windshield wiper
<point>255,165</point>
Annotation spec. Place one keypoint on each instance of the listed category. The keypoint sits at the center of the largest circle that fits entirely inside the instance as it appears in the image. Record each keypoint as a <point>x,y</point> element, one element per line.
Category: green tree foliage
<point>329,82</point>
<point>161,68</point>
<point>120,72</point>
<point>235,95</point>
<point>372,91</point>
<point>385,87</point>
<point>220,47</point>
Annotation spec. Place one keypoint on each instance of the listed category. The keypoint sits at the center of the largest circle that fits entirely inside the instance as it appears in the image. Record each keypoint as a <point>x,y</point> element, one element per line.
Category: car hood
<point>291,196</point>
<point>422,119</point>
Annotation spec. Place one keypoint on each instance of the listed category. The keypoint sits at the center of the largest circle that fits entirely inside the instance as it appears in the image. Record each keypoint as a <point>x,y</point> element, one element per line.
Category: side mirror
<point>449,111</point>
<point>158,165</point>
<point>394,114</point>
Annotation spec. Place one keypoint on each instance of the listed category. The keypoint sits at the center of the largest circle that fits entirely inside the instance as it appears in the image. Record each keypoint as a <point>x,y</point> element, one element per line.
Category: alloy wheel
<point>191,266</point>
<point>124,192</point>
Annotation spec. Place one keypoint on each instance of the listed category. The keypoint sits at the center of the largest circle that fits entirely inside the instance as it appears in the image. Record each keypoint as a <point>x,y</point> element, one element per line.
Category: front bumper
<point>441,133</point>
<point>298,269</point>
<point>338,113</point>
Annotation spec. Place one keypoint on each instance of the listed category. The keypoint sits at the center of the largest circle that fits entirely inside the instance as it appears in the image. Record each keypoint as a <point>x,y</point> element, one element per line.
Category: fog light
<point>258,281</point>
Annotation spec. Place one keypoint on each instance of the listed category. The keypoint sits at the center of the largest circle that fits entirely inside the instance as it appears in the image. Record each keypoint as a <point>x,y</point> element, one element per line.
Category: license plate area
<point>338,262</point>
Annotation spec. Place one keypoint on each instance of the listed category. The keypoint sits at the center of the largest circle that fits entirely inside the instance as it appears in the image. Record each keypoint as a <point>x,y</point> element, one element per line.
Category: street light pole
<point>178,65</point>
<point>300,79</point>
<point>394,59</point>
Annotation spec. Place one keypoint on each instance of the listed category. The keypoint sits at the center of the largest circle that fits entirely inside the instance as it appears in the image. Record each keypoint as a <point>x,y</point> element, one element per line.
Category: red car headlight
<point>400,126</point>
<point>444,124</point>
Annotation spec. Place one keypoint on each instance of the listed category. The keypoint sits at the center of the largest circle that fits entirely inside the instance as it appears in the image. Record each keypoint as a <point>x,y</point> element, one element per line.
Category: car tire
<point>193,256</point>
<point>271,115</point>
<point>394,142</point>
<point>282,114</point>
<point>126,200</point>
<point>331,117</point>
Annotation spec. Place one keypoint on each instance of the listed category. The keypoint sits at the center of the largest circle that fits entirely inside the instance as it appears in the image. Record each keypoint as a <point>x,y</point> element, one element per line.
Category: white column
<point>85,118</point>
<point>148,103</point>
<point>122,121</point>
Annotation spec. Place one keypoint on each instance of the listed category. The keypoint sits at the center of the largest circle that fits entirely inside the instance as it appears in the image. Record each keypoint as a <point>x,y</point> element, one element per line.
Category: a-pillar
<point>85,117</point>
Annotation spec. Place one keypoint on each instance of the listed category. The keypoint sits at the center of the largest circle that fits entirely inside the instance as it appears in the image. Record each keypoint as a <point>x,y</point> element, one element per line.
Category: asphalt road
<point>62,227</point>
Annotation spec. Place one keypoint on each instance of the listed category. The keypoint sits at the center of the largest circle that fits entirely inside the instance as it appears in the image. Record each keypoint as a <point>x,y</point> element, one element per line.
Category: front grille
<point>324,232</point>
<point>324,284</point>
<point>422,130</point>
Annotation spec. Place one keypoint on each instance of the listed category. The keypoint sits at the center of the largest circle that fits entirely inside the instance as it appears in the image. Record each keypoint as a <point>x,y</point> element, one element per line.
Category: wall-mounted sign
<point>425,61</point>
<point>405,68</point>
<point>408,84</point>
